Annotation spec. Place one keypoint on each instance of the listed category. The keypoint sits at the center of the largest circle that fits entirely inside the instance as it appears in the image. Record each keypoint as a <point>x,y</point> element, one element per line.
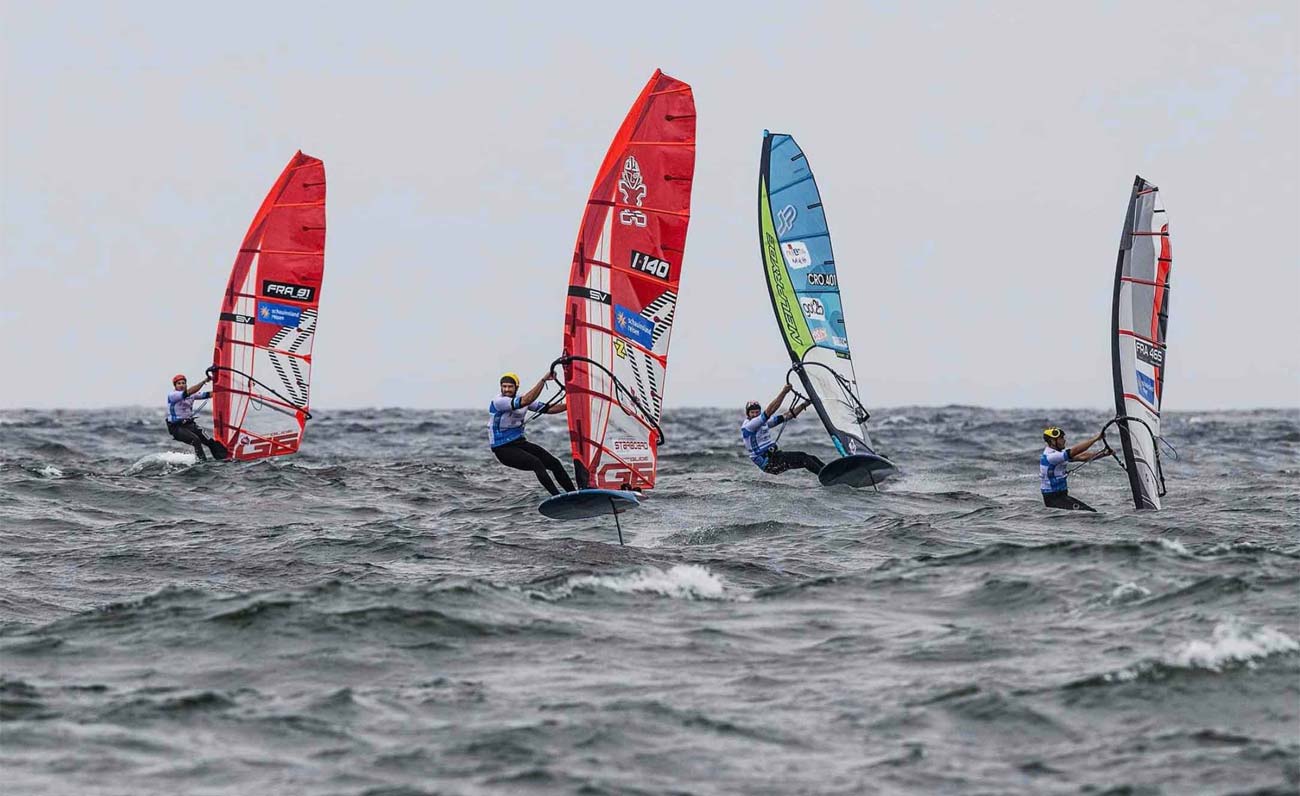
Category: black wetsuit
<point>524,455</point>
<point>778,461</point>
<point>1062,500</point>
<point>188,431</point>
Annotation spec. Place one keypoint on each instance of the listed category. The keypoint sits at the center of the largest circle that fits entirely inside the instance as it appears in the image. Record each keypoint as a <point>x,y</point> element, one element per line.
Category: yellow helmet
<point>1048,433</point>
<point>510,377</point>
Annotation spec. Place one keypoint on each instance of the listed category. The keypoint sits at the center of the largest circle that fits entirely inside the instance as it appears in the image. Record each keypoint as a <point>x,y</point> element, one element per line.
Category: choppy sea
<point>387,613</point>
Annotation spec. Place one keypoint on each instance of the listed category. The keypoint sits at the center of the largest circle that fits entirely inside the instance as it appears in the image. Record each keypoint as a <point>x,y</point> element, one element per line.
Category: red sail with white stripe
<point>623,289</point>
<point>262,356</point>
<point>1139,316</point>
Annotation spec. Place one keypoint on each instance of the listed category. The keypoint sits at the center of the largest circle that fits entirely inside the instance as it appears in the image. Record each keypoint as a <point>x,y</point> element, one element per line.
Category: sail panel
<point>799,264</point>
<point>623,288</point>
<point>1139,317</point>
<point>267,325</point>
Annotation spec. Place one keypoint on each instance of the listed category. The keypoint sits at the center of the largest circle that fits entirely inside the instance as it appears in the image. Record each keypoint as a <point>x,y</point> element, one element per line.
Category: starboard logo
<point>1149,354</point>
<point>821,280</point>
<point>286,290</point>
<point>785,219</point>
<point>631,450</point>
<point>655,266</point>
<point>633,188</point>
<point>813,309</point>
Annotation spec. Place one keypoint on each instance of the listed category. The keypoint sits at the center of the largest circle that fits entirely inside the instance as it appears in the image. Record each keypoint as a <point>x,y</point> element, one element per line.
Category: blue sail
<point>799,265</point>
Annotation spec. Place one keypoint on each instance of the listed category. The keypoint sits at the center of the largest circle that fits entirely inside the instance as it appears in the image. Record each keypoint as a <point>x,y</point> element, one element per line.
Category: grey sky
<point>974,159</point>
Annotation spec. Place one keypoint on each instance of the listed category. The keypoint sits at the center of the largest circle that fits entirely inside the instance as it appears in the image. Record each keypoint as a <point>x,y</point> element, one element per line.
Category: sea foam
<point>166,461</point>
<point>1232,642</point>
<point>683,581</point>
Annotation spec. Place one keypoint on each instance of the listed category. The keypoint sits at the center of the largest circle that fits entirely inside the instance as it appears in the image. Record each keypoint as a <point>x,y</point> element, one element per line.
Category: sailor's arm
<point>531,395</point>
<point>1089,456</point>
<point>558,408</point>
<point>197,387</point>
<point>776,402</point>
<point>1077,452</point>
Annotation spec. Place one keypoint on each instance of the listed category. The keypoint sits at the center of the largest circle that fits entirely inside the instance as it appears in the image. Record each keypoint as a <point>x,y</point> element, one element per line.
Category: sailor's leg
<point>777,462</point>
<point>188,433</point>
<point>807,461</point>
<point>513,455</point>
<point>219,451</point>
<point>553,464</point>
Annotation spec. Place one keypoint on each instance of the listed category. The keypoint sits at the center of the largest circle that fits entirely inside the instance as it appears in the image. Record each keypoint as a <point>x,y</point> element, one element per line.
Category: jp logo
<point>785,219</point>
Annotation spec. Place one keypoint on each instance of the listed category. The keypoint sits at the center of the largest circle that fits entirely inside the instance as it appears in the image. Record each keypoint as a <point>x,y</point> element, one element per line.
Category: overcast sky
<point>975,160</point>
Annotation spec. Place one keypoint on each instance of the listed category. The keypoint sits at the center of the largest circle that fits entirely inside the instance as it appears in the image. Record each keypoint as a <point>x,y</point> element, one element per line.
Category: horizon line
<point>376,407</point>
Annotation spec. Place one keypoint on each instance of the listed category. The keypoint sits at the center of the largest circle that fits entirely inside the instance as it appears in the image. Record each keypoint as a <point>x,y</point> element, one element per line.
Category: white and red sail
<point>1139,319</point>
<point>262,355</point>
<point>623,289</point>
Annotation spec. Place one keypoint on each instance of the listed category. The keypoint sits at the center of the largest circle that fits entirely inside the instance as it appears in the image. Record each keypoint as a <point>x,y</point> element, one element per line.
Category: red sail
<point>261,391</point>
<point>623,289</point>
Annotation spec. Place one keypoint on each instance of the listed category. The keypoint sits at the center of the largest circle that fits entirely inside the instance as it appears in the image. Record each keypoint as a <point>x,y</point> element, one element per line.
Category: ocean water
<point>387,613</point>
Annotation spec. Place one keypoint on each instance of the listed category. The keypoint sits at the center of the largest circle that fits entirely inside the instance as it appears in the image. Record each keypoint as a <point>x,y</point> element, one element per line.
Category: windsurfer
<point>756,435</point>
<point>506,432</point>
<point>1052,468</point>
<point>180,417</point>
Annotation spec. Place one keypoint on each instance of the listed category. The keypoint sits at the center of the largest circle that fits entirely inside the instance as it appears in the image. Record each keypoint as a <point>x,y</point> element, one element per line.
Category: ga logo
<point>615,474</point>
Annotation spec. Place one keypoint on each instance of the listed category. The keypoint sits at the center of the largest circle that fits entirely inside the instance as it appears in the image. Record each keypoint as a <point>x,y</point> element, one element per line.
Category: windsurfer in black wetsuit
<point>1053,468</point>
<point>509,412</point>
<point>756,435</point>
<point>180,417</point>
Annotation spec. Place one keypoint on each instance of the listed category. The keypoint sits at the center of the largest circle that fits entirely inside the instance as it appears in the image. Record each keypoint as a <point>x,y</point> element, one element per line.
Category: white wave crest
<point>1231,642</point>
<point>165,461</point>
<point>50,471</point>
<point>1175,546</point>
<point>892,420</point>
<point>683,581</point>
<point>1128,592</point>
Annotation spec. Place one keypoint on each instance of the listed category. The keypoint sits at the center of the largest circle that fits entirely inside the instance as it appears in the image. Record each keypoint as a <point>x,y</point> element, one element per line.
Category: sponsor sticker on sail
<point>631,325</point>
<point>796,254</point>
<point>1146,387</point>
<point>813,309</point>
